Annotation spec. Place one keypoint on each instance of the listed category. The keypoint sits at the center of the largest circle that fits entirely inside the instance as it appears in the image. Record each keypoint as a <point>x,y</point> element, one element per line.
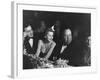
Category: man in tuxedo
<point>29,46</point>
<point>28,40</point>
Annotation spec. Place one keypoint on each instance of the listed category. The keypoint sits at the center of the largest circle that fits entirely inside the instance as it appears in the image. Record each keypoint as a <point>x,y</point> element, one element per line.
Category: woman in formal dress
<point>46,45</point>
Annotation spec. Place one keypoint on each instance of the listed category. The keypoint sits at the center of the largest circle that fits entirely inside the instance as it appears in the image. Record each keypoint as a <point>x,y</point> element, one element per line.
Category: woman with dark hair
<point>46,46</point>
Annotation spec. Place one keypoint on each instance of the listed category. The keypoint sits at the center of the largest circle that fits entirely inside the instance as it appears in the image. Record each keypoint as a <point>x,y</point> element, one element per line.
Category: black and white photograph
<point>53,39</point>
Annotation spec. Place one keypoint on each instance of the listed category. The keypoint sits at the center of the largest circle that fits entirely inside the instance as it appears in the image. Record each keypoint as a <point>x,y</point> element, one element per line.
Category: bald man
<point>63,48</point>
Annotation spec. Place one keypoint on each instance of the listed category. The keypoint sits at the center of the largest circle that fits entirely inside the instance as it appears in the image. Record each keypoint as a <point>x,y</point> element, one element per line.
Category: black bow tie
<point>27,38</point>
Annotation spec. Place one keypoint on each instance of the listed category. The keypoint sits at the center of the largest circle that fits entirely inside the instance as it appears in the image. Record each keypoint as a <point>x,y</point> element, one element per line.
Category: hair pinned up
<point>49,30</point>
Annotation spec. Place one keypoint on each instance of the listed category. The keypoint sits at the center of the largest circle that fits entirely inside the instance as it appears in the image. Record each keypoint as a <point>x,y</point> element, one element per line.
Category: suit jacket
<point>27,46</point>
<point>65,54</point>
<point>27,64</point>
<point>72,52</point>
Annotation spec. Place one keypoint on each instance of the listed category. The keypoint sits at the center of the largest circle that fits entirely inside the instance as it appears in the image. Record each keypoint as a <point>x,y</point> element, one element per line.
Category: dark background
<point>79,23</point>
